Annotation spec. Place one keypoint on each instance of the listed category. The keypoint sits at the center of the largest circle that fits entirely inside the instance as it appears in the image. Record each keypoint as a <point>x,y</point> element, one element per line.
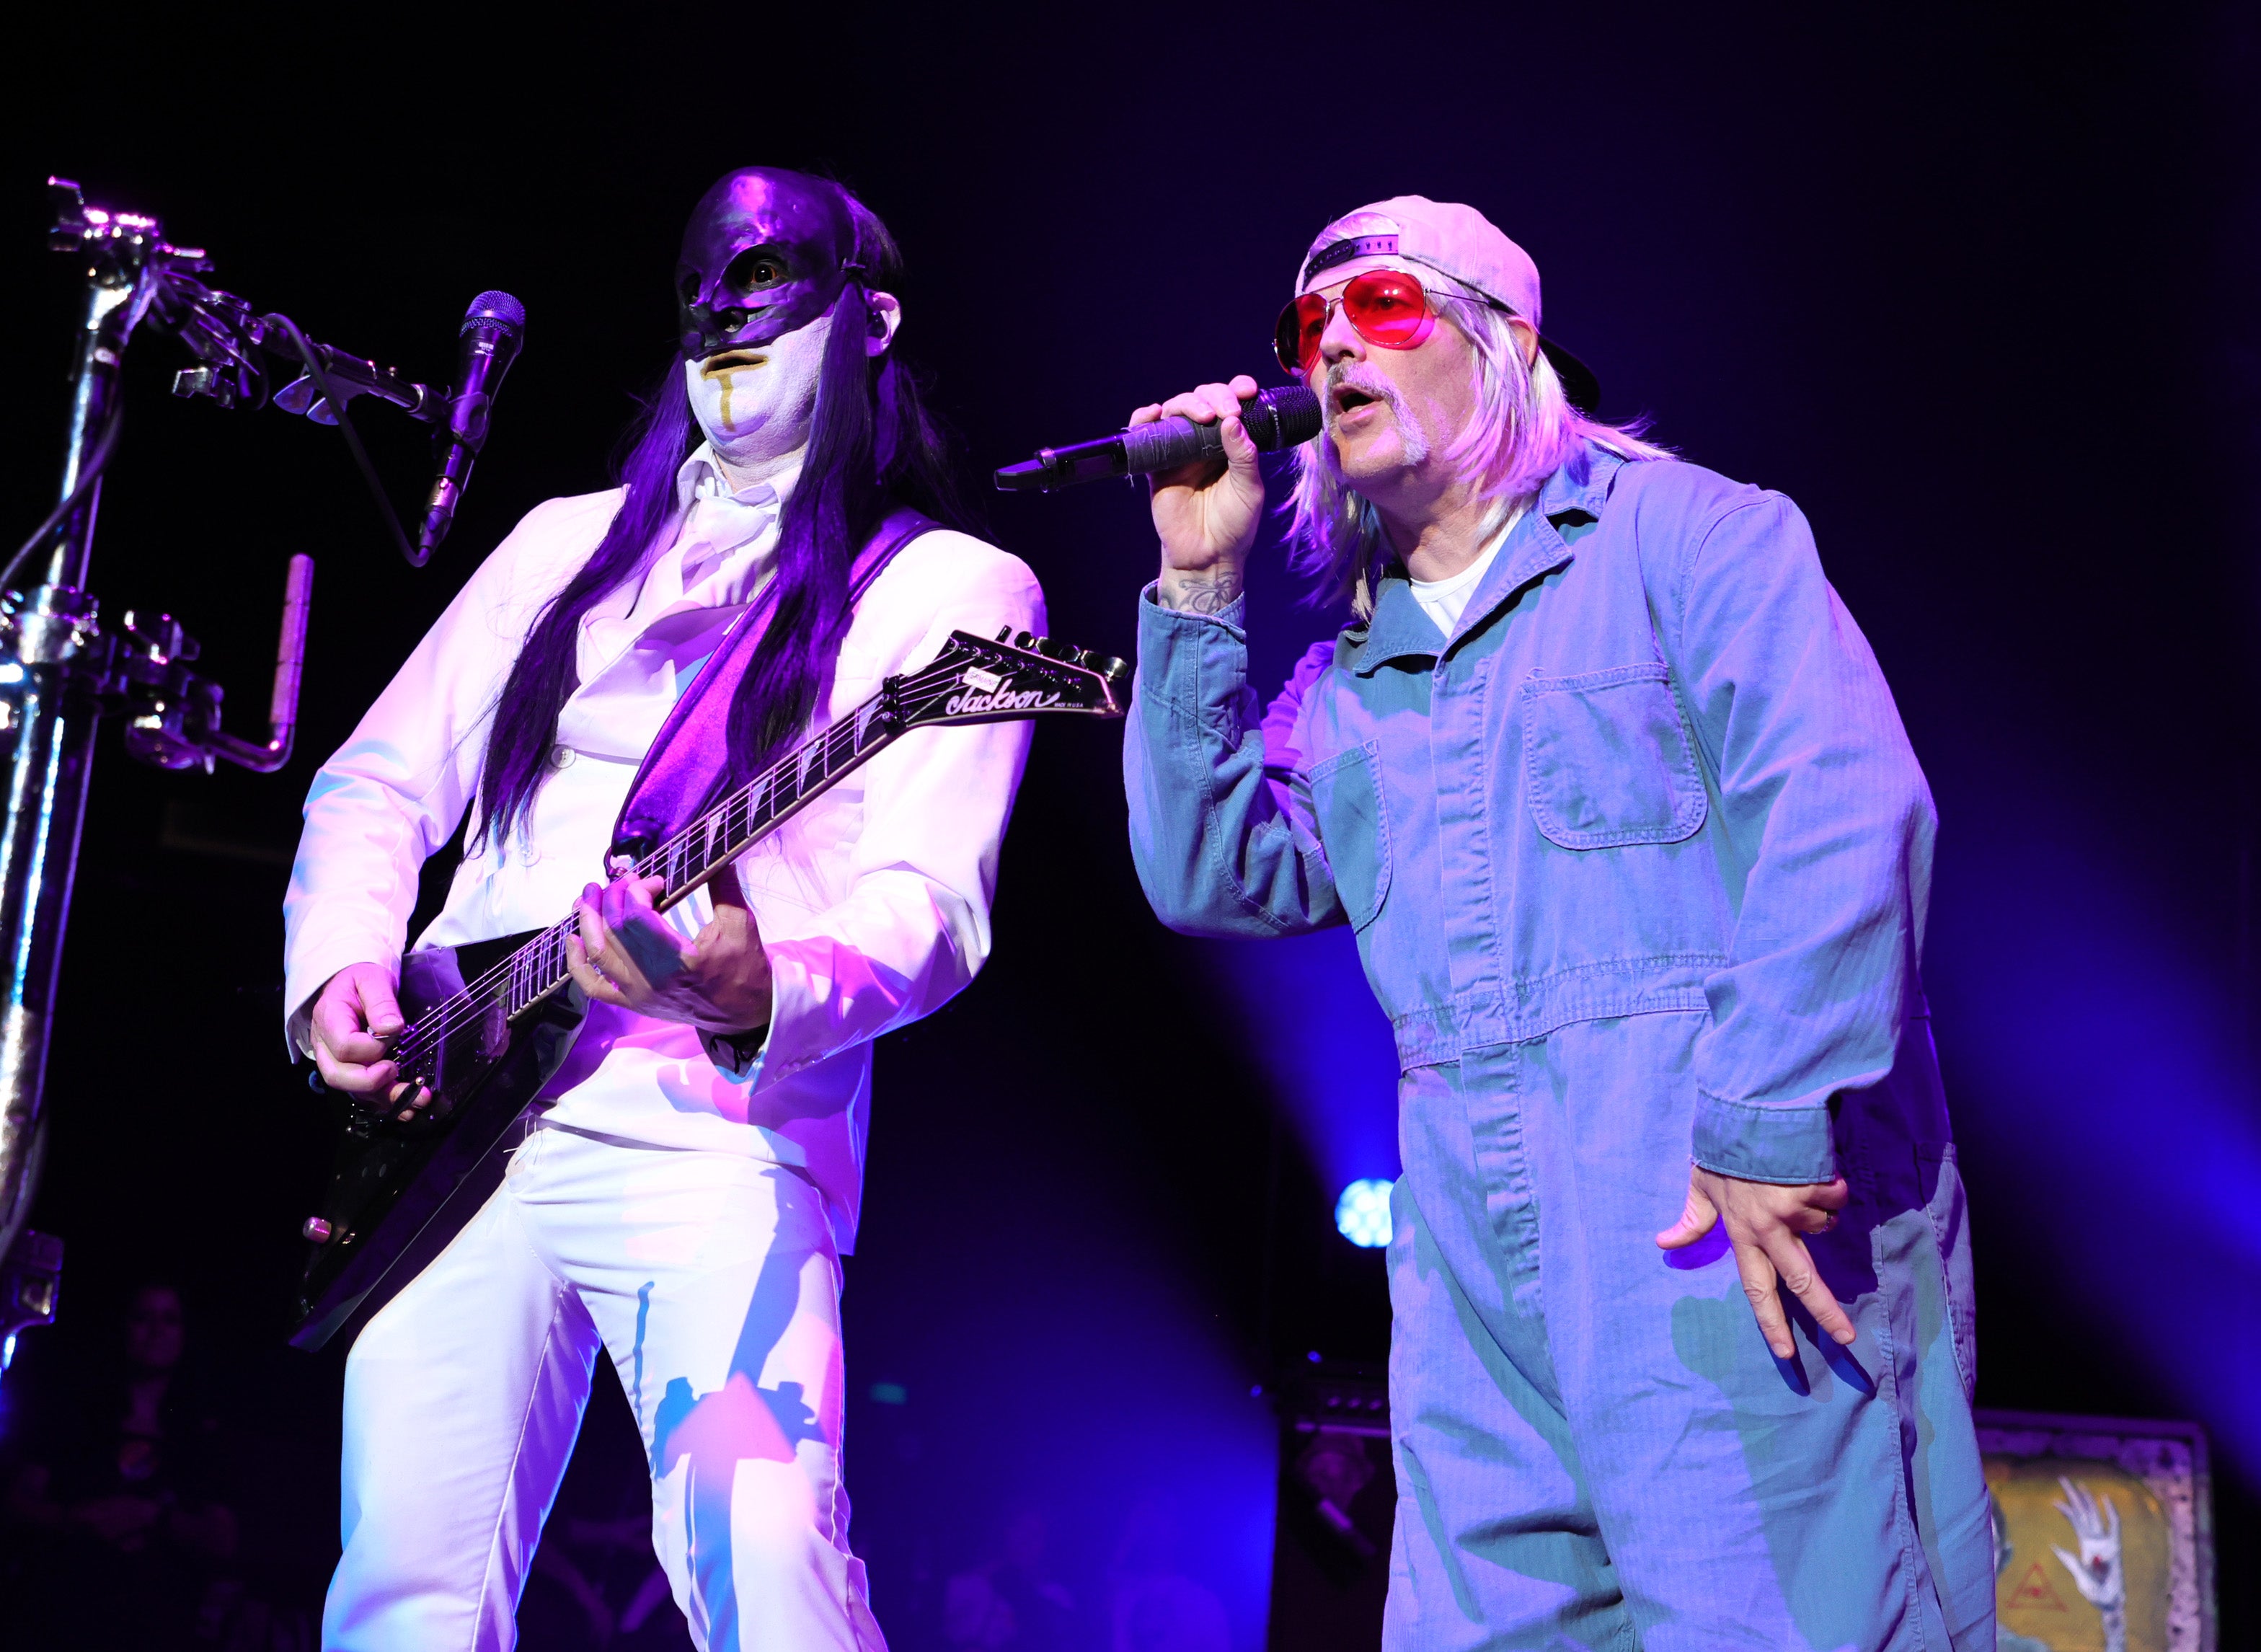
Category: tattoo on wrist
<point>1199,593</point>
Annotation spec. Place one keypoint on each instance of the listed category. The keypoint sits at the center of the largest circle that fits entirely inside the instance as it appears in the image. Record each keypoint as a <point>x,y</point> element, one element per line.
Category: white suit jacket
<point>873,902</point>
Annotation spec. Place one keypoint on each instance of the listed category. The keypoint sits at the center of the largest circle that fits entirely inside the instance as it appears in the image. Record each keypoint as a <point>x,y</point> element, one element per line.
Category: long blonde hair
<point>1523,429</point>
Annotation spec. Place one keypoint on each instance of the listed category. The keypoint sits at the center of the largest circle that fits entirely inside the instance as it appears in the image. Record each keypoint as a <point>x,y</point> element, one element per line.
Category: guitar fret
<point>713,839</point>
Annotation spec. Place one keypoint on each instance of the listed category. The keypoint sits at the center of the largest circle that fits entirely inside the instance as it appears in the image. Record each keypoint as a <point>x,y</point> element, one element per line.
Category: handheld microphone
<point>1273,419</point>
<point>485,347</point>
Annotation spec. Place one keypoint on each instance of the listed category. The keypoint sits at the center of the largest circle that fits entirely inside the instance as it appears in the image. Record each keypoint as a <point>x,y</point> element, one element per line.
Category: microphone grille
<point>1293,417</point>
<point>496,306</point>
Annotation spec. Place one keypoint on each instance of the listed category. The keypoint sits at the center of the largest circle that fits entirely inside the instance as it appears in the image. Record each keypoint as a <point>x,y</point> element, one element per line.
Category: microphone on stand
<point>485,347</point>
<point>1273,419</point>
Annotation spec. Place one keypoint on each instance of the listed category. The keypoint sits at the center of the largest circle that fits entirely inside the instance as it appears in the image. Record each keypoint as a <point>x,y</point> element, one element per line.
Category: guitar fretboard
<point>685,861</point>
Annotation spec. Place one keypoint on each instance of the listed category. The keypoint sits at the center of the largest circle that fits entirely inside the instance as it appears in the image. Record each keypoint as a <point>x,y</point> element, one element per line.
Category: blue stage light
<point>1362,1213</point>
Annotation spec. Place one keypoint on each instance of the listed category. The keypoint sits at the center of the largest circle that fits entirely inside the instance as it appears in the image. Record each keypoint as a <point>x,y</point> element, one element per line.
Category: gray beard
<point>1413,438</point>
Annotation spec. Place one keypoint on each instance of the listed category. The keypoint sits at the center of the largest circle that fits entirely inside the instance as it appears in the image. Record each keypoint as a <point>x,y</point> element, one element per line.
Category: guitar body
<point>400,1192</point>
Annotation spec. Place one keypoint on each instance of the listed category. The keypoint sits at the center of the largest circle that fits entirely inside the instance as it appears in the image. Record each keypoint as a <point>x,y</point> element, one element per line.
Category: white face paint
<point>755,405</point>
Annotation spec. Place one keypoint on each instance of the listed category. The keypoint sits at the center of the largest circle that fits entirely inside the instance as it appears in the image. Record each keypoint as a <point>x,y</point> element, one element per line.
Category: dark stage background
<point>1975,288</point>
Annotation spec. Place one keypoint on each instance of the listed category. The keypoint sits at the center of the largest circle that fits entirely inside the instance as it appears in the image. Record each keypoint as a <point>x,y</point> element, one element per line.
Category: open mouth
<point>730,360</point>
<point>1350,398</point>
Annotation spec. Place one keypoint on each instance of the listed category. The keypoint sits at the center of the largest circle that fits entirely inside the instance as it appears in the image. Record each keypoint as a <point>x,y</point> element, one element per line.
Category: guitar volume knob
<point>316,1230</point>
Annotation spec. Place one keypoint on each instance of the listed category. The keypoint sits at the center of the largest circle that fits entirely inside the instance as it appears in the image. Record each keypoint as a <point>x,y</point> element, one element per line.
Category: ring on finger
<point>1828,1221</point>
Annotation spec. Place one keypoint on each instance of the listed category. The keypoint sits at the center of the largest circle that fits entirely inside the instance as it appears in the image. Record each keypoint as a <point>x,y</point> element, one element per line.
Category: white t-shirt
<point>1444,600</point>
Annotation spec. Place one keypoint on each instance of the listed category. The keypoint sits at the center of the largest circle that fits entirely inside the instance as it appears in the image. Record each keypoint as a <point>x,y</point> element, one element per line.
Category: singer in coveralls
<point>1614,795</point>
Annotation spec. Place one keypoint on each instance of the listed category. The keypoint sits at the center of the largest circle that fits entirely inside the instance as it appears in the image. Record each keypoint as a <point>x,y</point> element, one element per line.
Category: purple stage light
<point>2102,1082</point>
<point>1322,1044</point>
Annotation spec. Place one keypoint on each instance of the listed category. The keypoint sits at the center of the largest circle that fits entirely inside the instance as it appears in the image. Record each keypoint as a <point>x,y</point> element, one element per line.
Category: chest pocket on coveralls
<point>1347,798</point>
<point>1608,760</point>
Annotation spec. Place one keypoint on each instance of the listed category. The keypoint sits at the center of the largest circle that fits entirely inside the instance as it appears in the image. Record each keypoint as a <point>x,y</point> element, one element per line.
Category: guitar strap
<point>691,754</point>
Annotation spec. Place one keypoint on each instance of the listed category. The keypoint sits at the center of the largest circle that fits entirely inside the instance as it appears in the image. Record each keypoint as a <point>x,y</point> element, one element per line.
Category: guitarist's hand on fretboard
<point>356,1021</point>
<point>626,955</point>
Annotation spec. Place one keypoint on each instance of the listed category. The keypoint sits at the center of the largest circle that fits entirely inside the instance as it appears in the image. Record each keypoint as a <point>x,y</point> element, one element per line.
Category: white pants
<point>711,1282</point>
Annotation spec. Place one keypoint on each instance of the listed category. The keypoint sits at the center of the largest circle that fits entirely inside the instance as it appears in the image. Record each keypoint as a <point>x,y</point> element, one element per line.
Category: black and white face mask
<point>766,251</point>
<point>765,258</point>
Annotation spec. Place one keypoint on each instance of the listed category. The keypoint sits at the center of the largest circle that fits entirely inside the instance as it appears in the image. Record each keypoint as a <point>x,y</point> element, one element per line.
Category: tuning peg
<point>1026,639</point>
<point>1106,664</point>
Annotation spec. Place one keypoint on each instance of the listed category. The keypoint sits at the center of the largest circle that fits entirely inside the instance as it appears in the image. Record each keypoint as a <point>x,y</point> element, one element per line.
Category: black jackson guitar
<point>489,1024</point>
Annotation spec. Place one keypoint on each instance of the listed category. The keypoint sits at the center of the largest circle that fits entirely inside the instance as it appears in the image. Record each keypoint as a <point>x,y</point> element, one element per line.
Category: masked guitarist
<point>691,1177</point>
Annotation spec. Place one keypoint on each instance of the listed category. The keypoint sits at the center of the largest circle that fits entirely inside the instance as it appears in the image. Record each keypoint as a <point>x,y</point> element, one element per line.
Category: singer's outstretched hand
<point>1206,514</point>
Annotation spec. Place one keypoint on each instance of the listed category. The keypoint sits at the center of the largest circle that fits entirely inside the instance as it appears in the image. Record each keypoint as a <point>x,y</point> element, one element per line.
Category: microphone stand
<point>62,669</point>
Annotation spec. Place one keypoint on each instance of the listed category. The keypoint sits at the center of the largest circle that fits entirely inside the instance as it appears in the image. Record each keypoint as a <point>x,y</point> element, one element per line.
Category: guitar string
<point>548,948</point>
<point>468,1003</point>
<point>539,966</point>
<point>812,756</point>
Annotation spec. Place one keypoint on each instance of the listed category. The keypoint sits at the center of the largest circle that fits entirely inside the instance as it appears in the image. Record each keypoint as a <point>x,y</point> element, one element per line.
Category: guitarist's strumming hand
<point>356,1021</point>
<point>625,955</point>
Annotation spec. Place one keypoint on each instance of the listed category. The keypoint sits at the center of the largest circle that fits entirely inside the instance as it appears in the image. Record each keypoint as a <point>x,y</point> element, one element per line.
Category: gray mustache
<point>1342,376</point>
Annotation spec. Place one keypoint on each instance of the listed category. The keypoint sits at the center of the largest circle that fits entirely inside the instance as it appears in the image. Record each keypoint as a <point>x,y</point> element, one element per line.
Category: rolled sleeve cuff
<point>1232,617</point>
<point>1791,1145</point>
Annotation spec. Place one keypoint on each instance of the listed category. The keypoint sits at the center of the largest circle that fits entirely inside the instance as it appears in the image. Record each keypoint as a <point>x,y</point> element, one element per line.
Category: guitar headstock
<point>996,680</point>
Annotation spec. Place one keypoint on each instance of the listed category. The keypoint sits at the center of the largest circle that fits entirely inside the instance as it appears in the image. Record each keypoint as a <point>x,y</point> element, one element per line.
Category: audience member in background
<point>114,1526</point>
<point>1157,1607</point>
<point>1013,1600</point>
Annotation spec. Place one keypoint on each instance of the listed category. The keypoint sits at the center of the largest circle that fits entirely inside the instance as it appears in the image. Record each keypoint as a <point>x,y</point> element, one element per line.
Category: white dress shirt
<point>872,903</point>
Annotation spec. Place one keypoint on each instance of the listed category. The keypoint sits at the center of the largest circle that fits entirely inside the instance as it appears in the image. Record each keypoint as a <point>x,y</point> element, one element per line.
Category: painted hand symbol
<point>2096,1572</point>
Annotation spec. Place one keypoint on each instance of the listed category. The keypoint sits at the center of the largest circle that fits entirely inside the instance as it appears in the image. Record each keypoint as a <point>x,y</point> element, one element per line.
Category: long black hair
<point>872,447</point>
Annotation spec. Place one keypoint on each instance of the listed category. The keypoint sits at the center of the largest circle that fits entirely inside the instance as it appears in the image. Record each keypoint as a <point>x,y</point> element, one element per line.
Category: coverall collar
<point>1536,545</point>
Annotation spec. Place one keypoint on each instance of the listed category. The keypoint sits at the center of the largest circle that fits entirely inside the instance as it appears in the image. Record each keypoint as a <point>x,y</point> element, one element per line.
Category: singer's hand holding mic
<point>1207,515</point>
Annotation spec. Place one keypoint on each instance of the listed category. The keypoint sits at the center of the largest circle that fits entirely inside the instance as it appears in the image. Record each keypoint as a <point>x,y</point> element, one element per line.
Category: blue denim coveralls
<point>1638,859</point>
